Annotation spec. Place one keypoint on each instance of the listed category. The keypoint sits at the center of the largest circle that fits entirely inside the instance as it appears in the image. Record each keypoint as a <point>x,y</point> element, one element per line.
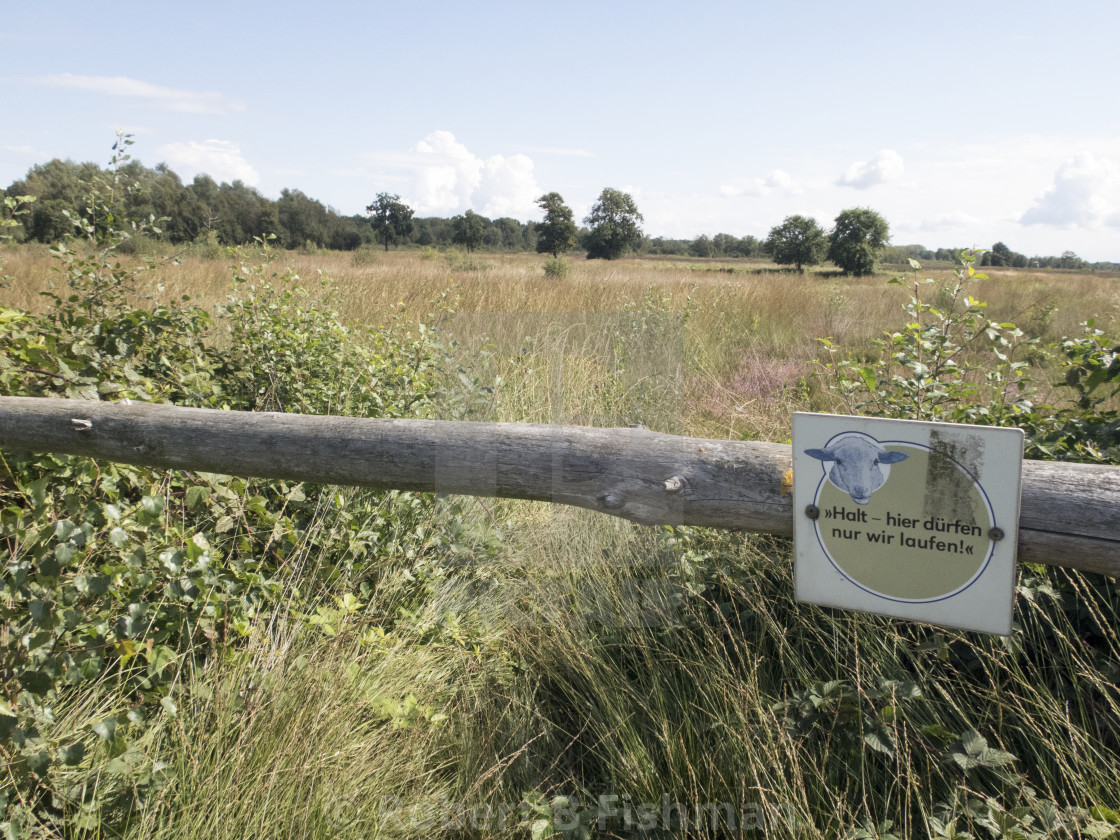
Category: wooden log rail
<point>1070,513</point>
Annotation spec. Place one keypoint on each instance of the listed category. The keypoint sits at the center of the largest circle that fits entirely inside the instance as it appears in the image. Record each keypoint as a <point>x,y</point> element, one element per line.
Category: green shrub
<point>948,363</point>
<point>207,246</point>
<point>364,257</point>
<point>557,267</point>
<point>118,579</point>
<point>458,261</point>
<point>951,363</point>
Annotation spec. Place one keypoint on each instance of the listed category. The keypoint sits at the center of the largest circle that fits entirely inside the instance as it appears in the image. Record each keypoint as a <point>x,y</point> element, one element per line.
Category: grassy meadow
<point>495,668</point>
<point>742,335</point>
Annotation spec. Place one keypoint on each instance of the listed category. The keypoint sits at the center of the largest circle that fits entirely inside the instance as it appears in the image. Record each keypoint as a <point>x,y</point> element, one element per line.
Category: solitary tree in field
<point>614,225</point>
<point>857,238</point>
<point>468,230</point>
<point>798,241</point>
<point>390,217</point>
<point>558,230</point>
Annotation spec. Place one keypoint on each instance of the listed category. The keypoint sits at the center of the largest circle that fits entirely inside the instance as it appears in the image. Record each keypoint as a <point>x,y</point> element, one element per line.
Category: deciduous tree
<point>797,241</point>
<point>469,230</point>
<point>613,224</point>
<point>702,247</point>
<point>391,218</point>
<point>305,220</point>
<point>558,230</point>
<point>857,238</point>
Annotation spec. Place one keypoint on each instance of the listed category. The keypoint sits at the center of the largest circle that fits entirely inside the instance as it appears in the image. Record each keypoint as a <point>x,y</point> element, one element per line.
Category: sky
<point>962,123</point>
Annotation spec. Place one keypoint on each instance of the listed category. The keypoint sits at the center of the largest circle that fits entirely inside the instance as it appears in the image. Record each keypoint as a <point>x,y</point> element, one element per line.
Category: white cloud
<point>950,220</point>
<point>508,186</point>
<point>25,151</point>
<point>885,166</point>
<point>444,174</point>
<point>1084,195</point>
<point>220,159</point>
<point>777,181</point>
<point>552,150</point>
<point>446,178</point>
<point>191,101</point>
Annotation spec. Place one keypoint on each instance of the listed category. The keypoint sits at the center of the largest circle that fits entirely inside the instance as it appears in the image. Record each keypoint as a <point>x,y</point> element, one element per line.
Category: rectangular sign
<point>906,518</point>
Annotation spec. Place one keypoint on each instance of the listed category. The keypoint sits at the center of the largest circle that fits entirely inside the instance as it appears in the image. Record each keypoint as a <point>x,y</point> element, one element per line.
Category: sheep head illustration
<point>856,461</point>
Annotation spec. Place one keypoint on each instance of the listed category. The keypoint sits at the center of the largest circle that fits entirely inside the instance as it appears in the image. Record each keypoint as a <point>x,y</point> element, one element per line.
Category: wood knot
<point>676,484</point>
<point>610,501</point>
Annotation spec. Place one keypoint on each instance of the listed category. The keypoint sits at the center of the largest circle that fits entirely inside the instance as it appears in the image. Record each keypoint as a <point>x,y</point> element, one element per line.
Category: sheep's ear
<point>892,457</point>
<point>822,454</point>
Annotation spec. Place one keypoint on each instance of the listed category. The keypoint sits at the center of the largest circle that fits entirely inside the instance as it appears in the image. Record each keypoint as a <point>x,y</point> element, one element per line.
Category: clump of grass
<point>321,737</point>
<point>557,267</point>
<point>362,257</point>
<point>458,261</point>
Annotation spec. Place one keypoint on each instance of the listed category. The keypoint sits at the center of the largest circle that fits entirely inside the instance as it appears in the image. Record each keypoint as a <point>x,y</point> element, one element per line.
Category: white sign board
<point>908,519</point>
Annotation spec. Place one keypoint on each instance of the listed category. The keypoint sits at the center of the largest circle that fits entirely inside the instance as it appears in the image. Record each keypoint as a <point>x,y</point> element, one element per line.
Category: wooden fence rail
<point>1070,513</point>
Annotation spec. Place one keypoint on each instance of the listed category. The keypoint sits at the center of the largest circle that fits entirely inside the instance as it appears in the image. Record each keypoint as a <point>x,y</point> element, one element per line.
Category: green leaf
<point>37,682</point>
<point>197,546</point>
<point>40,612</point>
<point>92,584</point>
<point>39,762</point>
<point>159,657</point>
<point>197,496</point>
<point>938,732</point>
<point>106,729</point>
<point>868,376</point>
<point>1108,815</point>
<point>172,559</point>
<point>880,741</point>
<point>152,505</point>
<point>169,706</point>
<point>72,754</point>
<point>973,742</point>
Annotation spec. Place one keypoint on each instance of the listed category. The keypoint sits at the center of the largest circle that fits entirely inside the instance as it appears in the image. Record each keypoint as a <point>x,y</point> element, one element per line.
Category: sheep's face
<point>856,465</point>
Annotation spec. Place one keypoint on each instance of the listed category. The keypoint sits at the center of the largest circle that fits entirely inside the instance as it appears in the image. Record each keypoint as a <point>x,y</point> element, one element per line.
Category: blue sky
<point>962,123</point>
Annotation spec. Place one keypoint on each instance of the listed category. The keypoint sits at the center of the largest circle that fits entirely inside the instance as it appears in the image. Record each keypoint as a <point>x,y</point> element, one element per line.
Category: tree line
<point>231,214</point>
<point>227,213</point>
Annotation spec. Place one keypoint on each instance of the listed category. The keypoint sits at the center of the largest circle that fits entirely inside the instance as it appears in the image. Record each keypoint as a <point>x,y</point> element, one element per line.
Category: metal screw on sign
<point>813,512</point>
<point>995,534</point>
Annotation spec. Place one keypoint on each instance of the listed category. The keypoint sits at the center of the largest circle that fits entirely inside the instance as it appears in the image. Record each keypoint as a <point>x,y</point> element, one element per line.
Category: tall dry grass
<point>739,357</point>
